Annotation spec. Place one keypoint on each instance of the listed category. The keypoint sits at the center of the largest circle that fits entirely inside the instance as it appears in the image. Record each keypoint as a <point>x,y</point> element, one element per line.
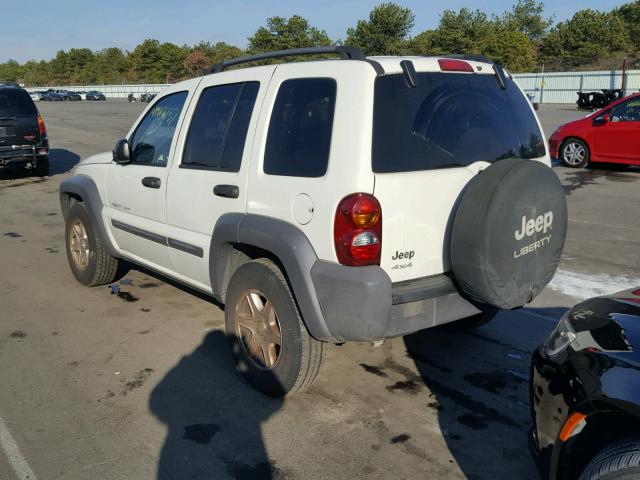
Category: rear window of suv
<point>15,102</point>
<point>450,120</point>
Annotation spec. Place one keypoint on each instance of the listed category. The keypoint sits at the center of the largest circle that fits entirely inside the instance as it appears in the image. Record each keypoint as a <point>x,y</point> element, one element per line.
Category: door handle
<point>151,182</point>
<point>227,191</point>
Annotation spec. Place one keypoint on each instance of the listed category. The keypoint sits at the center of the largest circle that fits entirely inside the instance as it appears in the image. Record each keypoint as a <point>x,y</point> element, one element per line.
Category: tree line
<point>522,39</point>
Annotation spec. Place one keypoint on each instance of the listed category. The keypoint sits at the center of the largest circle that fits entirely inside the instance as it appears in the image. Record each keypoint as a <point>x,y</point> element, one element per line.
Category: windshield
<point>450,120</point>
<point>15,102</point>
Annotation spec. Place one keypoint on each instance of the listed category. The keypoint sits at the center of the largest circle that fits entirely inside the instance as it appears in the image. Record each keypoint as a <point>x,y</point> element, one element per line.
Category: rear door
<point>209,177</point>
<point>619,139</point>
<point>428,142</point>
<point>18,118</point>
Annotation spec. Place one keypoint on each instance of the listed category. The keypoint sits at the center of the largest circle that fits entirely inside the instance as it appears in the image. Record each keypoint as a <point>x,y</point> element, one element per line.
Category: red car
<point>608,135</point>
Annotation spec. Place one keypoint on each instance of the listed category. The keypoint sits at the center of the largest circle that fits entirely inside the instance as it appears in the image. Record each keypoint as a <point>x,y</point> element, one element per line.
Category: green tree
<point>110,66</point>
<point>145,59</point>
<point>218,52</point>
<point>461,32</point>
<point>10,71</point>
<point>630,15</point>
<point>283,33</point>
<point>386,31</point>
<point>171,65</point>
<point>588,36</point>
<point>526,16</point>
<point>511,48</point>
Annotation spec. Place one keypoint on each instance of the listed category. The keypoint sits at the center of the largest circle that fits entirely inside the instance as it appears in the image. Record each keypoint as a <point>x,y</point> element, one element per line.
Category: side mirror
<point>121,151</point>
<point>601,119</point>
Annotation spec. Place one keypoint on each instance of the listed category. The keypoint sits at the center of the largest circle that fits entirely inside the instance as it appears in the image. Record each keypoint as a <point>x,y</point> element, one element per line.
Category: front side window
<point>450,120</point>
<point>150,143</point>
<point>299,136</point>
<point>219,126</point>
<point>627,112</point>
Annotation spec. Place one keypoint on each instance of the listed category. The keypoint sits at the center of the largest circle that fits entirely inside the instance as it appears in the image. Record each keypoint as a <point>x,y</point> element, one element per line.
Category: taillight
<point>452,65</point>
<point>41,127</point>
<point>357,230</point>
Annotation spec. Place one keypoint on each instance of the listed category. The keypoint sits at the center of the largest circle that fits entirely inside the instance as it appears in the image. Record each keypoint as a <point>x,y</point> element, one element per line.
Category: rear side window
<point>450,120</point>
<point>15,102</point>
<point>299,137</point>
<point>218,129</point>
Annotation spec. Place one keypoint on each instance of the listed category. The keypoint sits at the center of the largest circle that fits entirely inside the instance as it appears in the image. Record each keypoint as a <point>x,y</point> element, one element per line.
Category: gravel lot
<point>97,387</point>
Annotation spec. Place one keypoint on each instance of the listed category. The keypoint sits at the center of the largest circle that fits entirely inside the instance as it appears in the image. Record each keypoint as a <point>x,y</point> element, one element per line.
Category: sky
<point>38,29</point>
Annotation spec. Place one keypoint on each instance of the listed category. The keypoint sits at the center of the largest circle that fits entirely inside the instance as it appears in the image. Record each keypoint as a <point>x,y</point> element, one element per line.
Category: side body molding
<point>282,239</point>
<point>84,187</point>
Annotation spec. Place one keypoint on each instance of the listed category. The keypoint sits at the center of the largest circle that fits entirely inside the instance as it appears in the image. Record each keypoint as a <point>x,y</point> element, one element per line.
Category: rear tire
<point>260,311</point>
<point>88,259</point>
<point>42,167</point>
<point>575,153</point>
<point>620,461</point>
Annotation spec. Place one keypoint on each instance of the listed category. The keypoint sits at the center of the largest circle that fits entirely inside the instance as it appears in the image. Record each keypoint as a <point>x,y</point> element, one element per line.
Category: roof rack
<point>345,51</point>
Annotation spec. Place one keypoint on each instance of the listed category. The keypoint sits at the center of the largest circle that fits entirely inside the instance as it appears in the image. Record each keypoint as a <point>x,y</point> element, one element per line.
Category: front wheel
<point>620,461</point>
<point>269,342</point>
<point>575,153</point>
<point>88,259</point>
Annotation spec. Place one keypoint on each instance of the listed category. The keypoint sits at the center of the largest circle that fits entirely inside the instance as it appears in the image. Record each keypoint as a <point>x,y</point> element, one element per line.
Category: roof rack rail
<point>346,52</point>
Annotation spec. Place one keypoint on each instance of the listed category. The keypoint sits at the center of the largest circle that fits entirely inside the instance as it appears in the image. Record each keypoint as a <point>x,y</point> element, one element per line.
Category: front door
<point>136,191</point>
<point>618,140</point>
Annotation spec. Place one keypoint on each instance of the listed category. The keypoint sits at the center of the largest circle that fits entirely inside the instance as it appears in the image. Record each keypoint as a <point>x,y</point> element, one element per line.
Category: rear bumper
<point>361,303</point>
<point>16,155</point>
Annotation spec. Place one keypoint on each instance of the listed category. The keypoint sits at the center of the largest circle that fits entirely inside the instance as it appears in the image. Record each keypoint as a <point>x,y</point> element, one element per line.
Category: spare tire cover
<point>508,233</point>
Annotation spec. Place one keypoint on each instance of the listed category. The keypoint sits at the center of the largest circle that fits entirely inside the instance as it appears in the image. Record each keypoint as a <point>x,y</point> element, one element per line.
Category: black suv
<point>23,136</point>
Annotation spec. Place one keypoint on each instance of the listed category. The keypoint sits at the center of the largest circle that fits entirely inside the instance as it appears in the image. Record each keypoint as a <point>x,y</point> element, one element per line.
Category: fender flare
<point>85,188</point>
<point>284,240</point>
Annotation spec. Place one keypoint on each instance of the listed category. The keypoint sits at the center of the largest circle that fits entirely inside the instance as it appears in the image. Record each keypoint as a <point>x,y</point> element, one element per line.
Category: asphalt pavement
<point>141,386</point>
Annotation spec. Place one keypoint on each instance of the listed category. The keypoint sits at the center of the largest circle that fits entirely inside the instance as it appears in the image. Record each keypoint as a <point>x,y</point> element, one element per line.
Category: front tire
<point>88,259</point>
<point>575,153</point>
<point>620,461</point>
<point>269,342</point>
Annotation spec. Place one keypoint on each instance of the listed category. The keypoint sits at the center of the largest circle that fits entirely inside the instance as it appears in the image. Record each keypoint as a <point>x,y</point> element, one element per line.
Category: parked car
<point>37,96</point>
<point>350,204</point>
<point>23,136</point>
<point>585,392</point>
<point>95,95</point>
<point>51,96</point>
<point>608,135</point>
<point>73,96</point>
<point>83,94</point>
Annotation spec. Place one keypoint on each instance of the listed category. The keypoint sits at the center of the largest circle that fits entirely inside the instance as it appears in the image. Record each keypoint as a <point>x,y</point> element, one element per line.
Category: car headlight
<point>560,338</point>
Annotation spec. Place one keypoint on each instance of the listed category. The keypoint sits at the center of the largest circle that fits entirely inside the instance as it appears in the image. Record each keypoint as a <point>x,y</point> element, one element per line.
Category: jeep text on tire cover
<point>419,186</point>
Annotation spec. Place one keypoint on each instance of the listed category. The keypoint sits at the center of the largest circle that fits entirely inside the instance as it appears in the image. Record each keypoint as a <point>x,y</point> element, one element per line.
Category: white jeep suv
<point>339,200</point>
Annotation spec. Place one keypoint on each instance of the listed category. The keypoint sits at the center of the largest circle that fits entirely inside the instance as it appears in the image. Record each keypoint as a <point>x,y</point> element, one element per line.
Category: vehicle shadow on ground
<point>575,179</point>
<point>479,384</point>
<point>61,161</point>
<point>213,418</point>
